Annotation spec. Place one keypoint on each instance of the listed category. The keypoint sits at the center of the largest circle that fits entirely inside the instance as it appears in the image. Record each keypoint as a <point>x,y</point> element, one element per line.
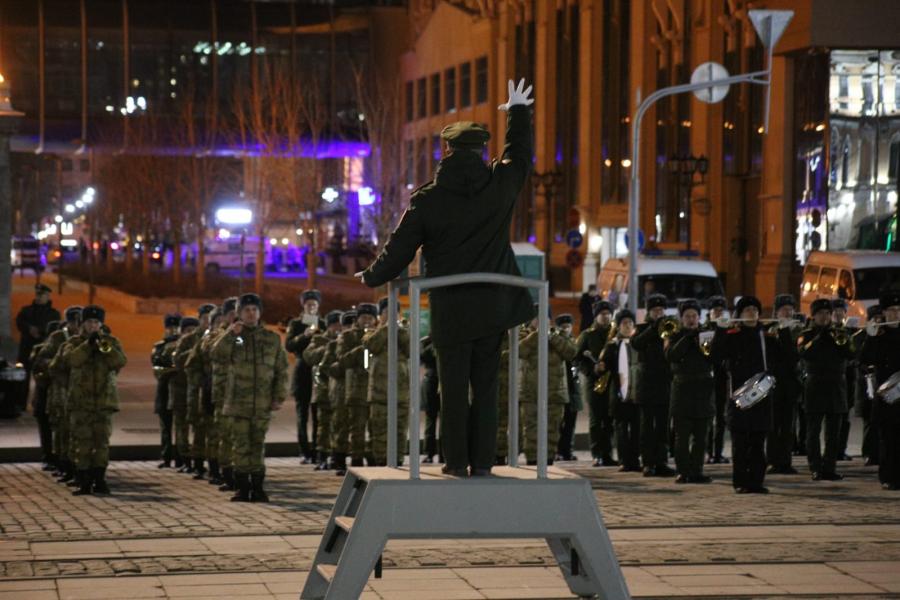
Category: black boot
<point>188,466</point>
<point>215,477</point>
<point>73,482</point>
<point>164,464</point>
<point>100,486</point>
<point>179,462</point>
<point>84,479</point>
<point>356,462</point>
<point>322,462</point>
<point>242,487</point>
<point>257,493</point>
<point>68,472</point>
<point>49,463</point>
<point>340,464</point>
<point>199,469</point>
<point>227,480</point>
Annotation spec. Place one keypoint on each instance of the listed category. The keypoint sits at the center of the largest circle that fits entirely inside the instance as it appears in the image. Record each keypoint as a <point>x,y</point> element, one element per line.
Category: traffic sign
<point>640,240</point>
<point>574,259</point>
<point>574,238</point>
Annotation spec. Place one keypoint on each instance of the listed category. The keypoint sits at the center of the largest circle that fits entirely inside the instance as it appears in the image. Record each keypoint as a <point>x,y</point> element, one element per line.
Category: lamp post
<point>709,83</point>
<point>683,169</point>
<point>548,183</point>
<point>9,123</point>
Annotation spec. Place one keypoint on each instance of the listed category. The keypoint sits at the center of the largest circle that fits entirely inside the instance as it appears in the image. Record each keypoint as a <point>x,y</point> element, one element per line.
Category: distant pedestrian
<point>586,307</point>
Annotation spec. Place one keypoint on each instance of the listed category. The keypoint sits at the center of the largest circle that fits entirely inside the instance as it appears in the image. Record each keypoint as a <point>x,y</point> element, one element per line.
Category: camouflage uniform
<point>200,365</point>
<point>340,415</point>
<point>562,348</point>
<point>178,404</point>
<point>350,354</point>
<point>315,355</point>
<point>41,374</point>
<point>376,343</point>
<point>161,357</point>
<point>194,424</point>
<point>59,401</point>
<point>503,396</point>
<point>56,395</point>
<point>219,374</point>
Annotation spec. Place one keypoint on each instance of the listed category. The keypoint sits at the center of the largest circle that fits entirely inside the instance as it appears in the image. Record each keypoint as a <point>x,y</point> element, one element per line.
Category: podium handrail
<point>416,286</point>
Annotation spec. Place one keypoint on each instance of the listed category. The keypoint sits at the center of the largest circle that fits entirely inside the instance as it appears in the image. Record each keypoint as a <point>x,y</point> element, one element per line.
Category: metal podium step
<point>377,504</point>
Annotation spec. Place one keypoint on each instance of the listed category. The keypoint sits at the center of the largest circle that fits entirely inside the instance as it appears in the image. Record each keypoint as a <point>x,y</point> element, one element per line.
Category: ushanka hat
<point>600,305</point>
<point>564,319</point>
<point>250,300</point>
<point>308,295</point>
<point>92,311</point>
<point>333,317</point>
<point>745,302</point>
<point>820,304</point>
<point>656,301</point>
<point>624,314</point>
<point>171,320</point>
<point>688,304</point>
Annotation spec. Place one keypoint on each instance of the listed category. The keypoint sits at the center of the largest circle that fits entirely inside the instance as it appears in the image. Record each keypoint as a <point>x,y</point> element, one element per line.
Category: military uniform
<point>350,353</point>
<point>824,395</point>
<point>593,340</point>
<point>58,400</point>
<point>461,222</point>
<point>431,399</point>
<point>785,397</point>
<point>296,342</point>
<point>314,355</point>
<point>256,366</point>
<point>620,361</point>
<point>37,316</point>
<point>692,402</point>
<point>503,396</point>
<point>340,442</point>
<point>163,361</point>
<point>184,395</point>
<point>205,443</point>
<point>864,395</point>
<point>376,344</point>
<point>40,371</point>
<point>570,414</point>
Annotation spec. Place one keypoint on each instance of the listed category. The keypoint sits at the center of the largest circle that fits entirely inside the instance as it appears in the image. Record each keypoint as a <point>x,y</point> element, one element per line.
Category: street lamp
<point>709,83</point>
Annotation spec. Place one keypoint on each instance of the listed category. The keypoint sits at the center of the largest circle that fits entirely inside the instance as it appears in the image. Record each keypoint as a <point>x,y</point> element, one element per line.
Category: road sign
<point>640,240</point>
<point>574,238</point>
<point>574,259</point>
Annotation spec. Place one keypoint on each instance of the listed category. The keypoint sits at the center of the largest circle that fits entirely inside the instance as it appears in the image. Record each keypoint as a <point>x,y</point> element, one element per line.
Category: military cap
<point>716,302</point>
<point>624,314</point>
<point>874,311</point>
<point>216,313</point>
<point>838,304</point>
<point>382,305</point>
<point>308,295</point>
<point>173,320</point>
<point>465,134</point>
<point>367,308</point>
<point>348,318</point>
<point>73,313</point>
<point>784,300</point>
<point>745,302</point>
<point>189,322</point>
<point>333,317</point>
<point>41,288</point>
<point>230,304</point>
<point>656,301</point>
<point>600,305</point>
<point>92,311</point>
<point>53,326</point>
<point>250,300</point>
<point>205,309</point>
<point>820,304</point>
<point>688,304</point>
<point>564,319</point>
<point>889,299</point>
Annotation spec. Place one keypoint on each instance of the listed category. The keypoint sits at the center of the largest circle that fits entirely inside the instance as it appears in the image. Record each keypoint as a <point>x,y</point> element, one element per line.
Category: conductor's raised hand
<point>518,95</point>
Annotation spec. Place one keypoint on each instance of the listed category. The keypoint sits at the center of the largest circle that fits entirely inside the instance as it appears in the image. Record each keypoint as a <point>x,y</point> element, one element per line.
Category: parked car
<point>857,276</point>
<point>26,253</point>
<point>675,278</point>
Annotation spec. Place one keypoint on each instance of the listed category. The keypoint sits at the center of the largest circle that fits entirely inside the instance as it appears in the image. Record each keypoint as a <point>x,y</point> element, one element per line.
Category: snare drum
<point>753,391</point>
<point>890,389</point>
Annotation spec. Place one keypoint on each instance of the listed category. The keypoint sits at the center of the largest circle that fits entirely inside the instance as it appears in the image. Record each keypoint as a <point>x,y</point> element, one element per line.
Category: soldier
<point>315,355</point>
<point>747,350</point>
<point>220,378</point>
<point>431,399</point>
<point>162,360</point>
<point>839,319</point>
<point>825,351</point>
<point>336,386</point>
<point>593,340</point>
<point>619,359</point>
<point>652,389</point>
<point>693,393</point>
<point>865,390</point>
<point>562,348</point>
<point>881,351</point>
<point>178,401</point>
<point>351,357</point>
<point>503,395</point>
<point>32,323</point>
<point>200,367</point>
<point>257,366</point>
<point>462,221</point>
<point>194,378</point>
<point>716,443</point>
<point>94,360</point>
<point>780,441</point>
<point>42,378</point>
<point>57,394</point>
<point>570,413</point>
<point>300,332</point>
<point>376,344</point>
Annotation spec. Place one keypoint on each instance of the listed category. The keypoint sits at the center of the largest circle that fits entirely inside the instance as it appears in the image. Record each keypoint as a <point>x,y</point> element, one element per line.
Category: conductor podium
<point>377,504</point>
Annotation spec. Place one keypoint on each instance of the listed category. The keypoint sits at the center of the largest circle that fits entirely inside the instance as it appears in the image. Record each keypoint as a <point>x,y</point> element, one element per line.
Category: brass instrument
<point>840,336</point>
<point>886,323</point>
<point>668,326</point>
<point>706,347</point>
<point>104,344</point>
<point>602,383</point>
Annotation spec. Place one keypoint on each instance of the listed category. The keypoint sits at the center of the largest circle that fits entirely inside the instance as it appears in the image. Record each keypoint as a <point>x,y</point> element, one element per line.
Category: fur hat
<point>308,295</point>
<point>92,311</point>
<point>656,301</point>
<point>745,302</point>
<point>820,304</point>
<point>624,314</point>
<point>171,320</point>
<point>250,300</point>
<point>600,305</point>
<point>688,304</point>
<point>564,319</point>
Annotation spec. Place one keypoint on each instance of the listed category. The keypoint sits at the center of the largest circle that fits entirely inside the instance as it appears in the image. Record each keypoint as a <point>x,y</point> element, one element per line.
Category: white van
<point>226,253</point>
<point>857,276</point>
<point>676,278</point>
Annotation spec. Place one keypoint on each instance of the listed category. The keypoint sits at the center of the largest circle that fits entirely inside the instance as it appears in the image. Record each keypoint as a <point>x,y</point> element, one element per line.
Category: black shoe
<point>341,471</point>
<point>257,493</point>
<point>100,486</point>
<point>84,479</point>
<point>357,462</point>
<point>427,460</point>
<point>199,472</point>
<point>227,480</point>
<point>305,460</point>
<point>322,466</point>
<point>720,460</point>
<point>664,471</point>
<point>188,466</point>
<point>700,479</point>
<point>47,466</point>
<point>68,473</point>
<point>630,468</point>
<point>242,487</point>
<point>871,462</point>
<point>816,476</point>
<point>609,461</point>
<point>480,472</point>
<point>597,463</point>
<point>214,474</point>
<point>447,470</point>
<point>741,490</point>
<point>649,472</point>
<point>531,463</point>
<point>845,457</point>
<point>893,487</point>
<point>832,477</point>
<point>340,464</point>
<point>178,462</point>
<point>682,479</point>
<point>166,464</point>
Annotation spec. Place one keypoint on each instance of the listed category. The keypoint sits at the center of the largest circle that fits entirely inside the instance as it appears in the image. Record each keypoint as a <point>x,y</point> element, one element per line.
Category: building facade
<point>713,182</point>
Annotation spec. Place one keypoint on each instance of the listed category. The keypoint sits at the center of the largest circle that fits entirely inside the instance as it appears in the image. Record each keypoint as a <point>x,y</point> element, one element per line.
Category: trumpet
<point>104,344</point>
<point>668,326</point>
<point>840,336</point>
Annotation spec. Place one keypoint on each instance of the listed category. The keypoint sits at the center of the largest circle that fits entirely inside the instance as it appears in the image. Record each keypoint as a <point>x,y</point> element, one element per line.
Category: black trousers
<point>601,426</point>
<point>780,441</point>
<point>889,452</point>
<point>690,444</point>
<point>567,431</point>
<point>303,398</point>
<point>628,434</point>
<point>870,444</point>
<point>654,434</point>
<point>800,436</point>
<point>469,425</point>
<point>844,435</point>
<point>167,449</point>
<point>431,402</point>
<point>715,443</point>
<point>43,420</point>
<point>819,462</point>
<point>748,459</point>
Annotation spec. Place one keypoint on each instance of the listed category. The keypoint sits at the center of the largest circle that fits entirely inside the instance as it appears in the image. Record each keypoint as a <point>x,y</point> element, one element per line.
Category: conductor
<point>461,220</point>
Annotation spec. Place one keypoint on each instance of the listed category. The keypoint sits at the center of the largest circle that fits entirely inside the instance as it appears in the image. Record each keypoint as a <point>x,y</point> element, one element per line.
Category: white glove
<point>517,95</point>
<point>723,322</point>
<point>871,328</point>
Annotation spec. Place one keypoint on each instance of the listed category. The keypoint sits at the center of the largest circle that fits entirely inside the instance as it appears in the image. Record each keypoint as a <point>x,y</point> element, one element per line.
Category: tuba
<point>668,326</point>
